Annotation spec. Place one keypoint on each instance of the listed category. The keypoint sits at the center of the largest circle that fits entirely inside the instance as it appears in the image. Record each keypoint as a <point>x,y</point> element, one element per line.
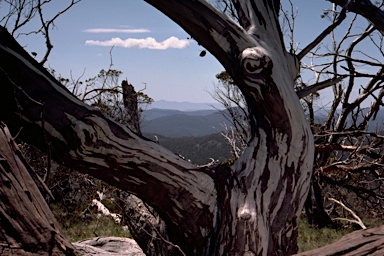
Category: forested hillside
<point>174,123</point>
<point>198,150</point>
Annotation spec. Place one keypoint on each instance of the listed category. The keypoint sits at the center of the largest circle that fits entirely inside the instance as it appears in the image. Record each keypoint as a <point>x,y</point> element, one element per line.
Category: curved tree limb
<point>256,59</point>
<point>323,34</point>
<point>366,9</point>
<point>215,31</point>
<point>88,141</point>
<point>222,36</point>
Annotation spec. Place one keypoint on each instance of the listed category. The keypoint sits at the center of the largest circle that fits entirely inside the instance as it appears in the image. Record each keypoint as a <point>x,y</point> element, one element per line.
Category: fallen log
<point>358,243</point>
<point>27,225</point>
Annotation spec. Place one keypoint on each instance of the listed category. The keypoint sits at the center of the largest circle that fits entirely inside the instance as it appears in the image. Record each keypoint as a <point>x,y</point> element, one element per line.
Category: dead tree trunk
<point>27,225</point>
<point>250,209</point>
<point>145,225</point>
<point>147,229</point>
<point>131,111</point>
<point>314,208</point>
<point>369,242</point>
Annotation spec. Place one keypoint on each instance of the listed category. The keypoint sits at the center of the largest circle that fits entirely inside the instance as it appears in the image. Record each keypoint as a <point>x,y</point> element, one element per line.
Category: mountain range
<point>176,123</point>
<point>191,130</point>
<point>198,150</point>
<point>195,134</point>
<point>183,106</point>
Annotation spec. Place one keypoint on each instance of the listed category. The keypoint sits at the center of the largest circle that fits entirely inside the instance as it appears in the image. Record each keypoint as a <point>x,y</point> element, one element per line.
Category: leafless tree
<point>20,13</point>
<point>348,146</point>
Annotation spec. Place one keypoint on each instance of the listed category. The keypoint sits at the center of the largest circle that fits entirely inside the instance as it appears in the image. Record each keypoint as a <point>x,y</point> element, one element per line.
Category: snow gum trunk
<point>272,177</point>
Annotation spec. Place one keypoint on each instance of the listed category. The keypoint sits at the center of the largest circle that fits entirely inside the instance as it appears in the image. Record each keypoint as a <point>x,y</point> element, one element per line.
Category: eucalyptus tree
<point>348,149</point>
<point>249,208</point>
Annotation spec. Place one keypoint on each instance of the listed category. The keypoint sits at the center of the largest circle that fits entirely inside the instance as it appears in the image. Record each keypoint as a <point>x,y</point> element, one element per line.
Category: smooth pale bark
<point>250,209</point>
<point>27,225</point>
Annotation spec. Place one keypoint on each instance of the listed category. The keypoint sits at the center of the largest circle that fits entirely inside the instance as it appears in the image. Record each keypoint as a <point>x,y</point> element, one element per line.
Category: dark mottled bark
<point>27,225</point>
<point>366,9</point>
<point>369,242</point>
<point>131,112</point>
<point>47,111</point>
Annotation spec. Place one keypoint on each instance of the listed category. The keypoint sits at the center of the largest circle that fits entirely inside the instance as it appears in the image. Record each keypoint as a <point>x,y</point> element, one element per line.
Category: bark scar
<point>256,63</point>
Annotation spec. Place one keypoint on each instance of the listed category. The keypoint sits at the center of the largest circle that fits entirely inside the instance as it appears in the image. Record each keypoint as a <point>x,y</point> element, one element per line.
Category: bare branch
<point>318,86</point>
<point>366,9</point>
<point>357,221</point>
<point>323,35</point>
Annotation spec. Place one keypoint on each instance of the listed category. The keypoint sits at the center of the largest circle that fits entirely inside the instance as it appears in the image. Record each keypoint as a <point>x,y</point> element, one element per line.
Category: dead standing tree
<point>348,156</point>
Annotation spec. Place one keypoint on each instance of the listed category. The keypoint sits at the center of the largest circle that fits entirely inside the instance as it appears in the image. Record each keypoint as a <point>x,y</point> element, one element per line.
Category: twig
<point>164,240</point>
<point>357,221</point>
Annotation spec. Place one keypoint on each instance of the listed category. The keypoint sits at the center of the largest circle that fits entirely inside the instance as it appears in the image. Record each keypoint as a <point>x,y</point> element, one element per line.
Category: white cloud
<point>113,30</point>
<point>147,43</point>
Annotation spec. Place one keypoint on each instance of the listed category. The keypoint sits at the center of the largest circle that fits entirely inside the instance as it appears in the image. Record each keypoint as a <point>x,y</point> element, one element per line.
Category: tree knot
<point>246,212</point>
<point>256,64</point>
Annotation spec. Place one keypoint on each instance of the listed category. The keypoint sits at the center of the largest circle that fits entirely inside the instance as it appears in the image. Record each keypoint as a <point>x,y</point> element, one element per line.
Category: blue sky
<point>149,47</point>
<point>177,74</point>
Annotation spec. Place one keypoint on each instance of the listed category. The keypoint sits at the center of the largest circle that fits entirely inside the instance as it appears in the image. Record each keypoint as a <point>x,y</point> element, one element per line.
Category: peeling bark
<point>27,225</point>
